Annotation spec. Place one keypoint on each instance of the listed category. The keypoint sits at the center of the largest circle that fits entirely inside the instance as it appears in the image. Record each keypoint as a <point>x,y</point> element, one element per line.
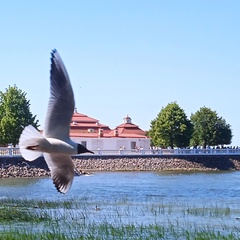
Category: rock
<point>17,167</point>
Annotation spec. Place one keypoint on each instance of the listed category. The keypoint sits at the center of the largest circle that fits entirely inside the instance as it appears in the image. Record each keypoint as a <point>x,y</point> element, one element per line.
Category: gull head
<point>82,149</point>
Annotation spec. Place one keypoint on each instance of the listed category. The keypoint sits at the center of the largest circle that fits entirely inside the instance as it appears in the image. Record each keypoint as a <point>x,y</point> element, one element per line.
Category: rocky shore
<point>162,163</point>
<point>11,171</point>
<point>18,167</point>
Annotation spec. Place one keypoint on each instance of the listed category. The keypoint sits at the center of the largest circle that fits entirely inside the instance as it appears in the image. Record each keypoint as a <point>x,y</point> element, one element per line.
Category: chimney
<point>115,133</point>
<point>100,132</point>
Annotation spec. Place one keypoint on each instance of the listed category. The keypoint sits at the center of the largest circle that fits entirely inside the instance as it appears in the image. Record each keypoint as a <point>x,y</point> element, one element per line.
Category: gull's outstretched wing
<point>61,103</point>
<point>62,170</point>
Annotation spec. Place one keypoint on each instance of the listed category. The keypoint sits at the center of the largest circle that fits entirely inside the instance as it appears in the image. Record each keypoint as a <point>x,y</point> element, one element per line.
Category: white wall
<point>113,143</point>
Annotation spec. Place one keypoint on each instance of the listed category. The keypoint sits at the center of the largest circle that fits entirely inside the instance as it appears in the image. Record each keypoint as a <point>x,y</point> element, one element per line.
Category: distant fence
<point>226,151</point>
<point>4,151</point>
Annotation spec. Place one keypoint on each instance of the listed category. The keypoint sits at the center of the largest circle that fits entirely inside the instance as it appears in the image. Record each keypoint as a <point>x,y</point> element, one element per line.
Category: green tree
<point>171,127</point>
<point>14,115</point>
<point>209,128</point>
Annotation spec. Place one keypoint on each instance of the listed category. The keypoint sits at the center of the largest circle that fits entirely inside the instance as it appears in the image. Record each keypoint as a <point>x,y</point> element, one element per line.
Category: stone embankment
<point>18,167</point>
<point>10,171</point>
<point>160,163</point>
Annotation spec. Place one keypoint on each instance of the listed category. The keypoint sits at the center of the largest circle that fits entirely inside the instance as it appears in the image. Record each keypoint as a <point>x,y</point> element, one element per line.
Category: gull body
<point>55,143</point>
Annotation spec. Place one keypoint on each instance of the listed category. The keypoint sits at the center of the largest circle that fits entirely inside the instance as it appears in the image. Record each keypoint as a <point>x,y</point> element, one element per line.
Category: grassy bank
<point>81,219</point>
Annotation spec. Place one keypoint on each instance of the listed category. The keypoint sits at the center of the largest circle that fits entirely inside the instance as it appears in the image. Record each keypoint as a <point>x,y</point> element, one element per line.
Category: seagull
<point>55,143</point>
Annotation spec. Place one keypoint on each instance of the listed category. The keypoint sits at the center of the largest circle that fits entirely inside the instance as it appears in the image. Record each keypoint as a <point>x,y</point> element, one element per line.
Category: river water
<point>146,197</point>
<point>193,187</point>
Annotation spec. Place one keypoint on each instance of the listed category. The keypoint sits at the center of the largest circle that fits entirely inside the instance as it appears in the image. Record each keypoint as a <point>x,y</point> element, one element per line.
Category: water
<point>205,198</point>
<point>192,187</point>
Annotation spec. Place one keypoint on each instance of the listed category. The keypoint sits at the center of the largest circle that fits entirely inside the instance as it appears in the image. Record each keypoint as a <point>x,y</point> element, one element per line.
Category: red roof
<point>88,127</point>
<point>78,117</point>
<point>128,128</point>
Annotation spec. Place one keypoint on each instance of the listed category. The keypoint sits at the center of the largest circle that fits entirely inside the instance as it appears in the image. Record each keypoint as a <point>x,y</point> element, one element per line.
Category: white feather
<point>30,137</point>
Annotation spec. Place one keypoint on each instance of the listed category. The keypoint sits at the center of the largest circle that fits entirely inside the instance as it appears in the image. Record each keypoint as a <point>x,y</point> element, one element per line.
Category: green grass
<point>211,212</point>
<point>78,219</point>
<point>15,214</point>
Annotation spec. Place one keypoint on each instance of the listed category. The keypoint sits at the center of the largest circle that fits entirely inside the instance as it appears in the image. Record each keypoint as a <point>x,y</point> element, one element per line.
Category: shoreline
<point>160,163</point>
<point>11,167</point>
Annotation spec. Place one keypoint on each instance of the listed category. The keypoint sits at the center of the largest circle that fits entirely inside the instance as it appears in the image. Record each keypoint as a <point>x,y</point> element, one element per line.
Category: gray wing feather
<point>61,103</point>
<point>62,171</point>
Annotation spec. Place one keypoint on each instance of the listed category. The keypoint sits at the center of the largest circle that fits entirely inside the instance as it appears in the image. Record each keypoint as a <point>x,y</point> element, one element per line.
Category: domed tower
<point>129,129</point>
<point>127,119</point>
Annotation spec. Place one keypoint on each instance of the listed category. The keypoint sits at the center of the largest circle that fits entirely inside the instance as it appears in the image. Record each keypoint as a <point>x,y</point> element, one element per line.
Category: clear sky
<point>126,56</point>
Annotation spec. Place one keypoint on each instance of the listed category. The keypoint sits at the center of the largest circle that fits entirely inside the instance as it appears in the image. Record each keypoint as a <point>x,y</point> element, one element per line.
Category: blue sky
<point>126,57</point>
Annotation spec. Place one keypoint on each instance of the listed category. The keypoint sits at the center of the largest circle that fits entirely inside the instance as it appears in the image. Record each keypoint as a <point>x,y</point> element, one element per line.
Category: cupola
<point>127,119</point>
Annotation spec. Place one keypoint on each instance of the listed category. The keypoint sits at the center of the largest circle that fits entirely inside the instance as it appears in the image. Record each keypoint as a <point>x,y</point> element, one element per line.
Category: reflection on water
<point>8,182</point>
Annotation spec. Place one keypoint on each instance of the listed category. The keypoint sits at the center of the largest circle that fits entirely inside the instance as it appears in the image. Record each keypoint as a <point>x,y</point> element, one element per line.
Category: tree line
<point>172,128</point>
<point>14,115</point>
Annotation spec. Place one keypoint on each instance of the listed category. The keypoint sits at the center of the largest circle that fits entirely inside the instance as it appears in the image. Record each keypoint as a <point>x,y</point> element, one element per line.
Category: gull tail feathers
<point>29,142</point>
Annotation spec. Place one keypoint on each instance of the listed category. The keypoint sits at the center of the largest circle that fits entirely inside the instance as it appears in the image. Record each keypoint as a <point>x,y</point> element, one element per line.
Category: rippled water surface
<point>193,188</point>
<point>216,187</point>
<point>206,198</point>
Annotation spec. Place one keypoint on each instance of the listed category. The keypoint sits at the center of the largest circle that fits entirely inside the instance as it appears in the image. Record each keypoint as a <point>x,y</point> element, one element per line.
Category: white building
<point>94,135</point>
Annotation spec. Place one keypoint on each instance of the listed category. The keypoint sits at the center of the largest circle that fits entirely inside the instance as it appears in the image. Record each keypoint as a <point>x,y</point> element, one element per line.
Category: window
<point>84,143</point>
<point>133,145</point>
